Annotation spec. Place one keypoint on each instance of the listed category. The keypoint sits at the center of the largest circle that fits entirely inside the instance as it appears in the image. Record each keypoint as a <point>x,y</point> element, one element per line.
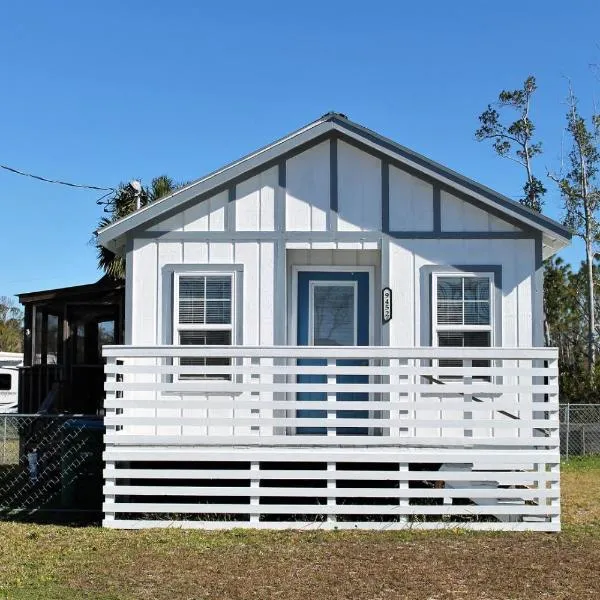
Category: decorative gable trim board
<point>438,172</point>
<point>333,126</point>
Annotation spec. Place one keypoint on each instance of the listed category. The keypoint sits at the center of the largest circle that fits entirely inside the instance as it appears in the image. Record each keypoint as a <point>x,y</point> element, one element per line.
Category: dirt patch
<point>58,562</point>
<point>358,566</point>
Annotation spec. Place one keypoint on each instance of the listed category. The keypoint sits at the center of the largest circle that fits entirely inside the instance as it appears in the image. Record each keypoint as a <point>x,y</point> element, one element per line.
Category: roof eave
<point>452,178</point>
<point>113,235</point>
<point>214,179</point>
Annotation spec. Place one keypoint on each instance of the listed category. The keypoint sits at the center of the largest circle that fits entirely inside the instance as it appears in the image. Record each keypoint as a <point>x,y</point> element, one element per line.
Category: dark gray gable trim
<point>427,299</point>
<point>280,199</point>
<point>230,209</point>
<point>437,208</point>
<point>385,196</point>
<point>333,174</point>
<point>461,235</point>
<point>500,214</point>
<point>453,176</point>
<point>234,181</point>
<point>333,185</point>
<point>282,173</point>
<point>327,236</point>
<point>227,176</point>
<point>488,209</point>
<point>331,125</point>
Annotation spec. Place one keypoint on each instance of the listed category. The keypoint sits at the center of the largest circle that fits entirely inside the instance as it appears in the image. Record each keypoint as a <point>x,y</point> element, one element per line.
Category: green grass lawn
<point>51,562</point>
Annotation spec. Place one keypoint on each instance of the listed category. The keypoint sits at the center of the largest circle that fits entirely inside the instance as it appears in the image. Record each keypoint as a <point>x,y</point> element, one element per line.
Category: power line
<point>58,181</point>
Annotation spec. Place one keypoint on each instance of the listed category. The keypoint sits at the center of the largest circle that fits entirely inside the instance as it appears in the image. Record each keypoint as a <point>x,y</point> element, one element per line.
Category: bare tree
<point>11,322</point>
<point>515,140</point>
<point>581,197</point>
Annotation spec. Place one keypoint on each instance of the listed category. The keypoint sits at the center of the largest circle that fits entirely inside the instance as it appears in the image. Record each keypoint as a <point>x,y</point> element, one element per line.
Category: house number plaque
<point>386,304</point>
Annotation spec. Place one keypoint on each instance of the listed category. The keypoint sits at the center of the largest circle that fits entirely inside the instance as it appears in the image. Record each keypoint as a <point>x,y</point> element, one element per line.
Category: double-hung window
<point>462,313</point>
<point>204,315</point>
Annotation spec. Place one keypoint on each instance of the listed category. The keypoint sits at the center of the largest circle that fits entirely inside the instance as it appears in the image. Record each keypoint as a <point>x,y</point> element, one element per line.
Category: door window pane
<point>334,315</point>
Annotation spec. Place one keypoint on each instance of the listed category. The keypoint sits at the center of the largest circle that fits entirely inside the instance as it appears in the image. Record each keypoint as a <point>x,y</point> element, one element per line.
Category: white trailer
<point>9,381</point>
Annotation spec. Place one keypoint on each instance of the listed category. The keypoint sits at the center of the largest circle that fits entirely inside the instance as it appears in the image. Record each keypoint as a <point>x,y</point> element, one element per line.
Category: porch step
<point>488,501</point>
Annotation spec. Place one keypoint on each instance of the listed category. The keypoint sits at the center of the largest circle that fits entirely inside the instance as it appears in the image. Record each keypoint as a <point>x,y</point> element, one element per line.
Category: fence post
<point>567,422</point>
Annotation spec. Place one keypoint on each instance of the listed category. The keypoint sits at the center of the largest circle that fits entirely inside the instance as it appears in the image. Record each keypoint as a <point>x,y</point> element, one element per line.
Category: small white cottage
<point>333,331</point>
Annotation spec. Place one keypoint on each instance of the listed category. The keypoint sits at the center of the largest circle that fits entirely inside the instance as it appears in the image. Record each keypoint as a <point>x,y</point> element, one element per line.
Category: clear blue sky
<point>104,92</point>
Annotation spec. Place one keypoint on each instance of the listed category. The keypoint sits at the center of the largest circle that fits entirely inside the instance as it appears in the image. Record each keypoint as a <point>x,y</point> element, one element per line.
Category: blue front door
<point>333,310</point>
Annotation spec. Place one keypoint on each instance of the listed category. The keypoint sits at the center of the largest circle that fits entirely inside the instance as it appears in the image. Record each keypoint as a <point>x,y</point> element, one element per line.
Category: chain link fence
<point>50,467</point>
<point>579,429</point>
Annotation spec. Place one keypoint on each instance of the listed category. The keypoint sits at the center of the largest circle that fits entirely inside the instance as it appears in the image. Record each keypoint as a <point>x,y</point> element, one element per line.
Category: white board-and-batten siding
<point>323,206</point>
<point>151,317</point>
<point>330,197</point>
<point>336,202</point>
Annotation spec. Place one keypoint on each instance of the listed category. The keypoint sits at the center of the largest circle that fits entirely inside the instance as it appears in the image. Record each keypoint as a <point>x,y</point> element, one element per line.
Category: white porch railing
<point>333,423</point>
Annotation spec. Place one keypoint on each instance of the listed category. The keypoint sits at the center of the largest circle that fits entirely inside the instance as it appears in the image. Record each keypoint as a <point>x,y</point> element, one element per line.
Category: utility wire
<point>57,181</point>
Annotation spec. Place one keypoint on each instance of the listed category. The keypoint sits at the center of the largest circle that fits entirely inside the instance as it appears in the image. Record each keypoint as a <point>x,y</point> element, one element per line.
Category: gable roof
<point>112,236</point>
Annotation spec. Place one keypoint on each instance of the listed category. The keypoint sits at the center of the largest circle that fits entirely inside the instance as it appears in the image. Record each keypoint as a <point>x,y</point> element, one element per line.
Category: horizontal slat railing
<point>341,437</point>
<point>365,396</point>
<point>324,352</point>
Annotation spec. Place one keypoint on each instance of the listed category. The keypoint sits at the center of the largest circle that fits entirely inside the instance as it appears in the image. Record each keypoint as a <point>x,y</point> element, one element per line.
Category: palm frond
<point>125,202</point>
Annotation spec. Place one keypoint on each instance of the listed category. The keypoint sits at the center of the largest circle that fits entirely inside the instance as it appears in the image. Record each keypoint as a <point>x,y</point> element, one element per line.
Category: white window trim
<point>435,328</point>
<point>232,327</point>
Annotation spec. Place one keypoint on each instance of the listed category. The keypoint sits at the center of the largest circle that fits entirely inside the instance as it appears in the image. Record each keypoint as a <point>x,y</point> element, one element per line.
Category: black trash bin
<point>81,464</point>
